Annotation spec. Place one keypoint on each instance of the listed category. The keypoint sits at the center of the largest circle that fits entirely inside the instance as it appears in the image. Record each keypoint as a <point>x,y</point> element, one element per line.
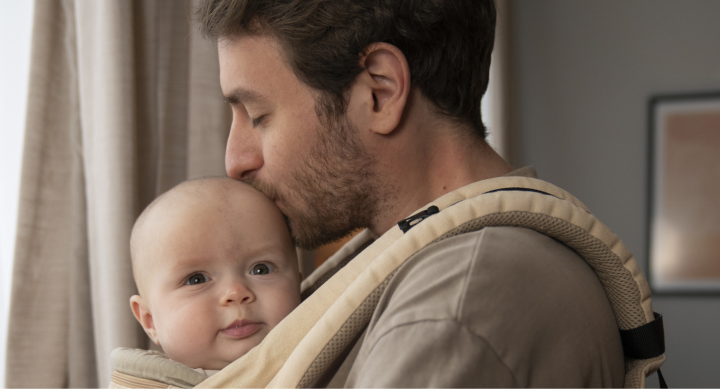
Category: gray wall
<point>583,72</point>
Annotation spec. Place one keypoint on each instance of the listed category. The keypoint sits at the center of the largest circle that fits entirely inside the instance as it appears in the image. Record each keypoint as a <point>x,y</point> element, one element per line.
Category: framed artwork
<point>684,190</point>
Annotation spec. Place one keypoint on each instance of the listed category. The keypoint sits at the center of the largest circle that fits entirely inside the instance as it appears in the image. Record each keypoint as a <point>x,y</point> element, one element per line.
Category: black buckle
<point>647,341</point>
<point>407,224</point>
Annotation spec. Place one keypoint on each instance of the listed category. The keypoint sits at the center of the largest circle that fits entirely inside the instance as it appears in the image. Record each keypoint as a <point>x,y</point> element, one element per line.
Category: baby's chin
<point>207,365</point>
<point>219,366</point>
<point>210,362</point>
<point>214,356</point>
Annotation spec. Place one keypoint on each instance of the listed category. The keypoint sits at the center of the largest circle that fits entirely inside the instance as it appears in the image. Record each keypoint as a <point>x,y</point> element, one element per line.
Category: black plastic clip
<point>407,224</point>
<point>646,341</point>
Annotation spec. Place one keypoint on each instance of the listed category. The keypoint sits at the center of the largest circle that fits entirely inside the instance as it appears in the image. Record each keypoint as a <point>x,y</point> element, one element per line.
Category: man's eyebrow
<point>242,96</point>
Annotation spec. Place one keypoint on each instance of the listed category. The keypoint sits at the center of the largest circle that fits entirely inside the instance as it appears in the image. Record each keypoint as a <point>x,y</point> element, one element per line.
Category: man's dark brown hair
<point>447,43</point>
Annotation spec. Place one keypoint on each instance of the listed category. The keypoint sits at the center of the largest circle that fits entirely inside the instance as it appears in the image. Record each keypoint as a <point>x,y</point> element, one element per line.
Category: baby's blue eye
<point>261,269</point>
<point>197,278</point>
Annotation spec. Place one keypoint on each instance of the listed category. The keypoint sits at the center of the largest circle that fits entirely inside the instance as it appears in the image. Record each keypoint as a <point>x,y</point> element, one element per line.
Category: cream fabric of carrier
<point>134,368</point>
<point>308,340</point>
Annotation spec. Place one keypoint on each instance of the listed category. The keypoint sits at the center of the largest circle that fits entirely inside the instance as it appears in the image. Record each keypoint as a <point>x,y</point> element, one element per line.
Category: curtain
<point>124,102</point>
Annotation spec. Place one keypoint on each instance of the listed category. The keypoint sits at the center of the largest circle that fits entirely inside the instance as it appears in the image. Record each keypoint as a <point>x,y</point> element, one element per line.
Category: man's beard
<point>335,189</point>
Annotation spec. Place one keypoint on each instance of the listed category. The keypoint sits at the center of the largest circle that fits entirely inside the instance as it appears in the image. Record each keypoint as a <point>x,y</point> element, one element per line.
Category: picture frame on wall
<point>684,194</point>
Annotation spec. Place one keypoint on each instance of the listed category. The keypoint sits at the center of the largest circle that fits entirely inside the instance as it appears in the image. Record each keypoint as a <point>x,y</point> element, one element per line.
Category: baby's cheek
<point>185,336</point>
<point>284,303</point>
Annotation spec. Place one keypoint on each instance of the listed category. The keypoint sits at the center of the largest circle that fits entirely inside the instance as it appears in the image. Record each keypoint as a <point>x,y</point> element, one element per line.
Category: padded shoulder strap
<point>120,380</point>
<point>306,342</point>
<point>141,368</point>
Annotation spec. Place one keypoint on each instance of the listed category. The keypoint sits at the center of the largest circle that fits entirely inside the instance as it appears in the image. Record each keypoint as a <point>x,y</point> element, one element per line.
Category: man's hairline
<point>280,49</point>
<point>462,128</point>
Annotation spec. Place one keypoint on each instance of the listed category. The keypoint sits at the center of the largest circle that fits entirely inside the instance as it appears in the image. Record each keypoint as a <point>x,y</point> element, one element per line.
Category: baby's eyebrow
<point>187,265</point>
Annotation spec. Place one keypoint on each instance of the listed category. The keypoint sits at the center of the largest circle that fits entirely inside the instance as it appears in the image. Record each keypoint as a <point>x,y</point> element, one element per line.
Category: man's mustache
<point>268,190</point>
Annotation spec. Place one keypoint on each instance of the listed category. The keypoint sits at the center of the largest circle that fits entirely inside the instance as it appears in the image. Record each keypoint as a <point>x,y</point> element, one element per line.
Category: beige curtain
<point>124,102</point>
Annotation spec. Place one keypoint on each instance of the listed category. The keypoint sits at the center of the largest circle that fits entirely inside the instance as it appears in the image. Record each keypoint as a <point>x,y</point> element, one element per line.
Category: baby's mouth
<point>240,329</point>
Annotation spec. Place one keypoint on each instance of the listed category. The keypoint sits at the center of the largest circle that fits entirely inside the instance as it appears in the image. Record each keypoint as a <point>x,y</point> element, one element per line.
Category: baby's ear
<point>144,317</point>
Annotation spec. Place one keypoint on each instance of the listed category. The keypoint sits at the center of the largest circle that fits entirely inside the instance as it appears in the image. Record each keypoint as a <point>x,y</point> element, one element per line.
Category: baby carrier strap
<point>134,368</point>
<point>306,342</point>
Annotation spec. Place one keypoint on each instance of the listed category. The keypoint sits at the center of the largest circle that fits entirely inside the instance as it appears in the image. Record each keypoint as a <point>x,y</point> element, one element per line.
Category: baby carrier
<point>150,369</point>
<point>344,293</point>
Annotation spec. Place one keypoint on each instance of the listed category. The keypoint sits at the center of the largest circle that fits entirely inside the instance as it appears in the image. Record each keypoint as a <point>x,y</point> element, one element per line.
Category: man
<point>354,114</point>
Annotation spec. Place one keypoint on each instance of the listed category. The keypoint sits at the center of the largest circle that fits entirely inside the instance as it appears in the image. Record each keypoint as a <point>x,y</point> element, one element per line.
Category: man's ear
<point>144,317</point>
<point>387,77</point>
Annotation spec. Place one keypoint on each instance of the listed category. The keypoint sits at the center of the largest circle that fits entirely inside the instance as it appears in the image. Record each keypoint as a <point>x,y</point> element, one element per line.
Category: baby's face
<point>219,277</point>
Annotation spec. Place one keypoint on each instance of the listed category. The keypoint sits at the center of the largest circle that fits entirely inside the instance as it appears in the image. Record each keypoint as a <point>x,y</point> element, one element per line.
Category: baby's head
<point>215,269</point>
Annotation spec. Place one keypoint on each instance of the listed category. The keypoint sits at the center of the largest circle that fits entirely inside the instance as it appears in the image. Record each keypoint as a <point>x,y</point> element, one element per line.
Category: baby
<point>215,269</point>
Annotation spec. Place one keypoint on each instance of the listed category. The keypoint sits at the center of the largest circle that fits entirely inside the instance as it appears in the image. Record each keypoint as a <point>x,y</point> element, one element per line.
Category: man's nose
<point>238,293</point>
<point>243,154</point>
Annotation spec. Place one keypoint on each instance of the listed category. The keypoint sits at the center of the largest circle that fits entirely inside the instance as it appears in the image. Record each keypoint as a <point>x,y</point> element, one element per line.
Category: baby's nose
<point>237,293</point>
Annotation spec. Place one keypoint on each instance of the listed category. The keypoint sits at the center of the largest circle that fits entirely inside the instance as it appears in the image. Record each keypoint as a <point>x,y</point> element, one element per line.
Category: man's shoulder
<point>511,264</point>
<point>530,298</point>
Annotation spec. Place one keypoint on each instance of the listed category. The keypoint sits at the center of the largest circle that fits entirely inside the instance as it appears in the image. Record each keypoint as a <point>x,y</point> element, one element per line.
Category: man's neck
<point>433,171</point>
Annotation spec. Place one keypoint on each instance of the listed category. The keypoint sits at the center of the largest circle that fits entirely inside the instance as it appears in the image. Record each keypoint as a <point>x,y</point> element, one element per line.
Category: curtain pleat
<point>206,149</point>
<point>39,314</point>
<point>124,103</point>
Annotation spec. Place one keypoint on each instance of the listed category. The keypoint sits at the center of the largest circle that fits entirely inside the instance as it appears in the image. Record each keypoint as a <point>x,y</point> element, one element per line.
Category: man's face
<point>219,277</point>
<point>317,171</point>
